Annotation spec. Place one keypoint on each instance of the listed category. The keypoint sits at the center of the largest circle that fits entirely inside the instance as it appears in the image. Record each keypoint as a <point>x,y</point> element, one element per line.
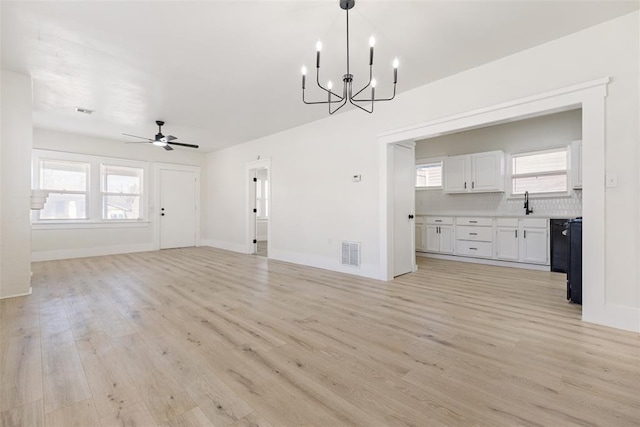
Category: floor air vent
<point>351,254</point>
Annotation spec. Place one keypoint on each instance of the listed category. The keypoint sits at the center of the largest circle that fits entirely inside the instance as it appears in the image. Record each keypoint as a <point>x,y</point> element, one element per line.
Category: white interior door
<point>177,209</point>
<point>403,210</point>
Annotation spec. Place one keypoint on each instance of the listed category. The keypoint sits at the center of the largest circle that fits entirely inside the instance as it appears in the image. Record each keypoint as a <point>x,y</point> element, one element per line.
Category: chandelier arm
<point>368,84</point>
<point>378,99</point>
<point>360,107</point>
<point>344,102</point>
<point>340,98</point>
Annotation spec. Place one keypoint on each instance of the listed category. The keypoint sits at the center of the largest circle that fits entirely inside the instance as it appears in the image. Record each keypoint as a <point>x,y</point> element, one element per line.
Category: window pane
<point>429,175</point>
<point>64,206</point>
<point>540,184</point>
<point>121,179</point>
<point>121,207</point>
<point>540,162</point>
<point>62,175</point>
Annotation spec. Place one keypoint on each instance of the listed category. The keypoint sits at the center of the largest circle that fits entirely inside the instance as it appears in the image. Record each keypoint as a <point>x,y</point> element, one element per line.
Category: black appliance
<point>559,245</point>
<point>574,268</point>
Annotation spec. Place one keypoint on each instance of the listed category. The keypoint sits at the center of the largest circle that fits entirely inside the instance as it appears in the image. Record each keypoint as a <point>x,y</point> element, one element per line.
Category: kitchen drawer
<point>507,222</point>
<point>534,222</point>
<point>475,249</point>
<point>467,232</point>
<point>440,220</point>
<point>474,221</point>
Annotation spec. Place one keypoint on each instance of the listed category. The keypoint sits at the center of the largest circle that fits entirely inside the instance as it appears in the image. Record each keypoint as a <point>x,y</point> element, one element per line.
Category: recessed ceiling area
<point>225,72</point>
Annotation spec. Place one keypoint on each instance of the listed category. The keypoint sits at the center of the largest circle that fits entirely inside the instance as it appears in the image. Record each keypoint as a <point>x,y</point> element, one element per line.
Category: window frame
<point>85,193</point>
<point>427,161</point>
<point>94,191</point>
<point>104,193</point>
<point>551,194</point>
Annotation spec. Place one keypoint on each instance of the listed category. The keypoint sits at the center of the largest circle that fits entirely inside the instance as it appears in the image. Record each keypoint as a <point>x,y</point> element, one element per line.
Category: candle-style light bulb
<point>374,83</point>
<point>372,43</point>
<point>318,49</point>
<point>329,85</point>
<point>304,75</point>
<point>395,71</point>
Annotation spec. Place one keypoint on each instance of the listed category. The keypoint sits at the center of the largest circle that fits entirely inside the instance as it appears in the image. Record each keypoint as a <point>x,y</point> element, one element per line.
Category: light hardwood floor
<point>199,336</point>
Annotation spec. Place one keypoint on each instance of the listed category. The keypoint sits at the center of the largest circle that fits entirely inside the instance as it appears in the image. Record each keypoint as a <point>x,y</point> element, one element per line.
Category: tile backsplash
<point>435,202</point>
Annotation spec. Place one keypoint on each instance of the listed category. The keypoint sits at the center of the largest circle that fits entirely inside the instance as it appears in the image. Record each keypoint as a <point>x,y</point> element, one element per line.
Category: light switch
<point>611,180</point>
<point>356,178</point>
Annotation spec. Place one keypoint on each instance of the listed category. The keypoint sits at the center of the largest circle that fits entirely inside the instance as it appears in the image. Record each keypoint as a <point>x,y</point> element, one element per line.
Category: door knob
<point>410,216</point>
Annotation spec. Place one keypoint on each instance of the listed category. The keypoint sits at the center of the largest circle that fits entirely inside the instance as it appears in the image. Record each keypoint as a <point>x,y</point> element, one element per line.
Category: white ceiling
<point>225,72</point>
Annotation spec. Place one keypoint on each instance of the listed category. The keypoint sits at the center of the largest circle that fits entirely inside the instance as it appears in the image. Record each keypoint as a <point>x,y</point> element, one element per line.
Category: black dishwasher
<point>559,245</point>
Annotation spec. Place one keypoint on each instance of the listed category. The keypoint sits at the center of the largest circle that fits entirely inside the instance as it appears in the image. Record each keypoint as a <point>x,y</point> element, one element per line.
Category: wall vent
<point>351,254</point>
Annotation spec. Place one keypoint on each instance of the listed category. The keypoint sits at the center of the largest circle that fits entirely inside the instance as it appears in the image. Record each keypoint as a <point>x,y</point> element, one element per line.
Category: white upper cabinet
<point>475,173</point>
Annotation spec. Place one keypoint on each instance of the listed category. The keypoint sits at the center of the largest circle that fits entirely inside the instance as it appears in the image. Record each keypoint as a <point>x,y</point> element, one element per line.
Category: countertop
<point>496,215</point>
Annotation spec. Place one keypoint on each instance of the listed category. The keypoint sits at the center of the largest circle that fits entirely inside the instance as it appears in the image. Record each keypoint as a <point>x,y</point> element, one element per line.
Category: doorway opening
<point>258,208</point>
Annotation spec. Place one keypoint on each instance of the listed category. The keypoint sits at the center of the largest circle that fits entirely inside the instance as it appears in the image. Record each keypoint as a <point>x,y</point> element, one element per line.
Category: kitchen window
<point>540,172</point>
<point>429,174</point>
<point>68,185</point>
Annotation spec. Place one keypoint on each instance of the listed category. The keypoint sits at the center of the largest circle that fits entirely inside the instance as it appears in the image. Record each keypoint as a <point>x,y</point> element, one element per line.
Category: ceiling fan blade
<point>136,136</point>
<point>170,138</point>
<point>137,142</point>
<point>166,147</point>
<point>183,145</point>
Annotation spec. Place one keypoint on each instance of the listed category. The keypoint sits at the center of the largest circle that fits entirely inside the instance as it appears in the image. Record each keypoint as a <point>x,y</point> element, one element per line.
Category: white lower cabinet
<point>523,240</point>
<point>507,247</point>
<point>534,245</point>
<point>439,235</point>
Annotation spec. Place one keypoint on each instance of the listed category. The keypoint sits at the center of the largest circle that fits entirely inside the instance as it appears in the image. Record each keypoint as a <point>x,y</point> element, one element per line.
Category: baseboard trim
<point>227,246</point>
<point>494,262</point>
<point>19,295</point>
<point>89,252</point>
<point>614,316</point>
<point>369,271</point>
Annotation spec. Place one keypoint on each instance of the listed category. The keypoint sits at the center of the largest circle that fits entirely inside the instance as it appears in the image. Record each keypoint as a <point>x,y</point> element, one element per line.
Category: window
<point>429,175</point>
<point>84,189</point>
<point>539,172</point>
<point>67,183</point>
<point>121,189</point>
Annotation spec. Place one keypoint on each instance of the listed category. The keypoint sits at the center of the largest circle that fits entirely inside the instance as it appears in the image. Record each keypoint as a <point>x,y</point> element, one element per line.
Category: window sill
<point>57,225</point>
<point>428,188</point>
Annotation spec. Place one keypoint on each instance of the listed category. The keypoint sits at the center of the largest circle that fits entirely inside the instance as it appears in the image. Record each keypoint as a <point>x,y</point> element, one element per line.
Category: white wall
<point>315,204</point>
<point>531,134</point>
<point>15,146</point>
<point>57,243</point>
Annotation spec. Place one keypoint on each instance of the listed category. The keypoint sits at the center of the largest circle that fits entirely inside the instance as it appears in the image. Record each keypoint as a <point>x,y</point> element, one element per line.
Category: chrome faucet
<point>527,211</point>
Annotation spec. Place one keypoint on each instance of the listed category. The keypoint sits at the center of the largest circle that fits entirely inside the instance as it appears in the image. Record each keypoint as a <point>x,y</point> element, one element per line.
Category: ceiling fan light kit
<point>347,78</point>
<point>160,140</point>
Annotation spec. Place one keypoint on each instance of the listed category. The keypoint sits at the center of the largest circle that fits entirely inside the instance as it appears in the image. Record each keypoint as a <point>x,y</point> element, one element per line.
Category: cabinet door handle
<point>525,234</point>
<point>473,184</point>
<point>438,230</point>
<point>516,234</point>
<point>465,185</point>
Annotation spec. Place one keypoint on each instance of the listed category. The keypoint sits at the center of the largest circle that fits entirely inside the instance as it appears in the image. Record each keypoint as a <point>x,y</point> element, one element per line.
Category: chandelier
<point>347,79</point>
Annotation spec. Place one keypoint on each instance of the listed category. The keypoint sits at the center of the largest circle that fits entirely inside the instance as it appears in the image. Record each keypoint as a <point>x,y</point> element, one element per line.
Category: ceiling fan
<point>160,140</point>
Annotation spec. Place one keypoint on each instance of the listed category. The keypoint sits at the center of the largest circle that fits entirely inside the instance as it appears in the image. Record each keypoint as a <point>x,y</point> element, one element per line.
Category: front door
<point>177,209</point>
